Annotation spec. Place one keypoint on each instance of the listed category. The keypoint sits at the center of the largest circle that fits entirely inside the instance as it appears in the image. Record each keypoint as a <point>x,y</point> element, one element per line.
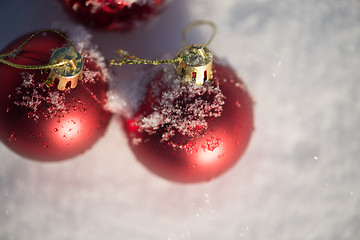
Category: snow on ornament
<point>113,14</point>
<point>196,119</point>
<point>52,96</point>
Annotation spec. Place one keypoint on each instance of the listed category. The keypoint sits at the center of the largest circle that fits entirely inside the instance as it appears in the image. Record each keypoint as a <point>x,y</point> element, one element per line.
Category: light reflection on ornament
<point>210,152</point>
<point>71,128</point>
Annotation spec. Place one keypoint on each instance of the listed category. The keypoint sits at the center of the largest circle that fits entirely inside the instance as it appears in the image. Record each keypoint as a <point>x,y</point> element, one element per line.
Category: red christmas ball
<point>190,133</point>
<point>41,122</point>
<point>113,14</point>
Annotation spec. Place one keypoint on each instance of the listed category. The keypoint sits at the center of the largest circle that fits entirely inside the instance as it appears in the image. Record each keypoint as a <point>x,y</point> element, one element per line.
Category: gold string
<point>35,67</point>
<point>195,24</point>
<point>131,59</point>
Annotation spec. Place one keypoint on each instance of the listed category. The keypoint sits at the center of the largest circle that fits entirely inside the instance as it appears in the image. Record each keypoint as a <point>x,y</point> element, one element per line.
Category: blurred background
<point>299,178</point>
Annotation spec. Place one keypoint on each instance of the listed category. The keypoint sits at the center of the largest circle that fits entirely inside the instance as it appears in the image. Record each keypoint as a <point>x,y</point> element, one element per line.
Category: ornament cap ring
<point>70,71</point>
<point>196,66</point>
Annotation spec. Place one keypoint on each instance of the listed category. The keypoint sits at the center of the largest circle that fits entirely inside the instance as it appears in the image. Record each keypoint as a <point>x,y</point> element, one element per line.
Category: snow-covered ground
<point>299,178</point>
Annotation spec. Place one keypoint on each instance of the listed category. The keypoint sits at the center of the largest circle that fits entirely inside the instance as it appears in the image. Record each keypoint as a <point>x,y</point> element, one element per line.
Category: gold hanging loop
<point>187,29</point>
<point>197,67</point>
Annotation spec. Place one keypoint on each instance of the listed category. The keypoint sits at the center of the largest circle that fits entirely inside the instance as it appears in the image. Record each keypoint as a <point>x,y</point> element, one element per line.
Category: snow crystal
<point>36,96</point>
<point>136,141</point>
<point>181,108</point>
<point>28,79</point>
<point>57,100</point>
<point>90,76</point>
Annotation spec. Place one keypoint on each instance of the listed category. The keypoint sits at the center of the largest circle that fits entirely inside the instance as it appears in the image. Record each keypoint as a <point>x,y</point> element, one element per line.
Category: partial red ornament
<point>190,133</point>
<point>41,122</point>
<point>113,14</point>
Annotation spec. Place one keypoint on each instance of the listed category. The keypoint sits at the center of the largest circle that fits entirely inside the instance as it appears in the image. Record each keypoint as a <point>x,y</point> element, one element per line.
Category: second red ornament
<point>196,119</point>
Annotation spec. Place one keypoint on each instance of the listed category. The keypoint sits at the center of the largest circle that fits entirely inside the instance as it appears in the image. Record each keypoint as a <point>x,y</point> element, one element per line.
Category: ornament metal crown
<point>196,64</point>
<point>69,72</point>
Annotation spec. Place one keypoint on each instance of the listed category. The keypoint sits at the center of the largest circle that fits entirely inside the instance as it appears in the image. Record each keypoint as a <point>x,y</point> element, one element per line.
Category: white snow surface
<point>299,178</point>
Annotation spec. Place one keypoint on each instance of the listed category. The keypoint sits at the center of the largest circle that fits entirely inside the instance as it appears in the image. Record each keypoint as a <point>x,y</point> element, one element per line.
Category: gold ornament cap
<point>70,71</point>
<point>196,64</point>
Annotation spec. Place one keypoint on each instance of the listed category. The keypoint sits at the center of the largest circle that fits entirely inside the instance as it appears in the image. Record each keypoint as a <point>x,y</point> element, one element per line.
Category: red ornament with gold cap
<point>196,119</point>
<point>114,14</point>
<point>52,97</point>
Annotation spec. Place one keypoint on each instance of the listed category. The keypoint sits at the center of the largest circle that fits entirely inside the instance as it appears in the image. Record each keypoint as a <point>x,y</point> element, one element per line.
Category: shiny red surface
<point>55,135</point>
<point>208,154</point>
<point>111,14</point>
